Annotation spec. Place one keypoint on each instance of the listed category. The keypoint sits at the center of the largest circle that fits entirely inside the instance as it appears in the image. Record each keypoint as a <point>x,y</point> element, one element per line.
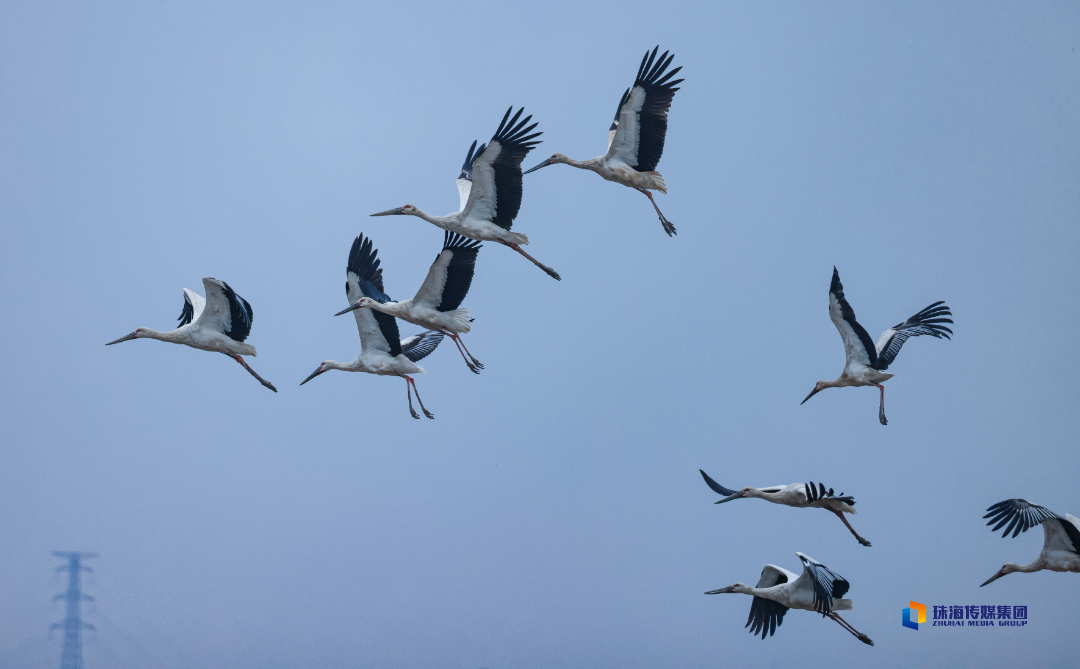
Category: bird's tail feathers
<point>248,350</point>
<point>657,182</point>
<point>462,320</point>
<point>518,238</point>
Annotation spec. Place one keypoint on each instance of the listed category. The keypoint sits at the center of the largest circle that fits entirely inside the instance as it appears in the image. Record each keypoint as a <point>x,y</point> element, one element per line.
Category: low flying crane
<point>1061,536</point>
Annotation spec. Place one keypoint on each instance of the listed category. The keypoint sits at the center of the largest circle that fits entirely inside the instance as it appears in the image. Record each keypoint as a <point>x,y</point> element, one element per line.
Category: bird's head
<point>555,158</point>
<point>399,211</point>
<point>818,387</point>
<point>737,588</point>
<point>359,304</point>
<point>141,332</point>
<point>745,492</point>
<point>325,366</point>
<point>1007,568</point>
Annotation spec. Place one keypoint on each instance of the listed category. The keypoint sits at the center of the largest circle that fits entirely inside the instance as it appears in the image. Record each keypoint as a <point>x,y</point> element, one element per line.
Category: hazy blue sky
<point>552,515</point>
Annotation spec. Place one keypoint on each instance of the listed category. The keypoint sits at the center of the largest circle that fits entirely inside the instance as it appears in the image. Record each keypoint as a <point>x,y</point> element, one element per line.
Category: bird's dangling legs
<point>472,367</point>
<point>881,411</point>
<point>457,338</point>
<point>840,515</point>
<point>408,391</point>
<point>426,412</point>
<point>550,272</point>
<point>668,227</point>
<point>252,371</point>
<point>843,623</point>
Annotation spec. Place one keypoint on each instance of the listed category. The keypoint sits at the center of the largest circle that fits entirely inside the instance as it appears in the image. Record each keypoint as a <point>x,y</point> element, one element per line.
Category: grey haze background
<point>552,515</point>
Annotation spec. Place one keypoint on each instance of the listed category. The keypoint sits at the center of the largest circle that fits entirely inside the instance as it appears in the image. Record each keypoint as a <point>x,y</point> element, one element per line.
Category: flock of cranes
<point>490,189</point>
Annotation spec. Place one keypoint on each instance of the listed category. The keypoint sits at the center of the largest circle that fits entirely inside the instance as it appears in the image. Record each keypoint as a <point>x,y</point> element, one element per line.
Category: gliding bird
<point>799,495</point>
<point>220,324</point>
<point>636,136</point>
<point>818,588</point>
<point>435,305</point>
<point>866,363</point>
<point>1061,536</point>
<point>495,195</point>
<point>380,351</point>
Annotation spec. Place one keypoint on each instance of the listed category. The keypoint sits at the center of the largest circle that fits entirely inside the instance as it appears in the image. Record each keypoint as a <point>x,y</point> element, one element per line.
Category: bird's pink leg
<point>840,515</point>
<point>458,340</point>
<point>408,392</point>
<point>843,623</point>
<point>881,410</point>
<point>668,227</point>
<point>550,272</point>
<point>472,368</point>
<point>252,371</point>
<point>426,412</point>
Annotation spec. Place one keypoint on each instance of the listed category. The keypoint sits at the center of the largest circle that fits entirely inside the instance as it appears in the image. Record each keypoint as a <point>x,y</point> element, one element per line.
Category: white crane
<point>799,495</point>
<point>435,305</point>
<point>818,588</point>
<point>495,195</point>
<point>381,352</point>
<point>636,136</point>
<point>866,363</point>
<point>1061,536</point>
<point>220,324</point>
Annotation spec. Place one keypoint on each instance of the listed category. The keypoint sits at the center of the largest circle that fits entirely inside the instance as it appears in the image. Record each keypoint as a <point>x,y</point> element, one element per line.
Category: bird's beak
<point>812,393</point>
<point>349,308</point>
<point>124,338</point>
<point>313,375</point>
<point>1001,572</point>
<point>721,591</point>
<point>396,211</point>
<point>737,495</point>
<point>543,164</point>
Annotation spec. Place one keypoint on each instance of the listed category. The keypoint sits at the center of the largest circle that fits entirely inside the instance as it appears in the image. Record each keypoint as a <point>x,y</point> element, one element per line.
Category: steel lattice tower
<point>72,623</point>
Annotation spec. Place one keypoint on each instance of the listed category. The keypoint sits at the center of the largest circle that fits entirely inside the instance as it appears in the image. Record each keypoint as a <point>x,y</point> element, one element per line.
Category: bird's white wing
<point>496,172</point>
<point>926,322</point>
<point>448,280</point>
<point>623,145</point>
<point>1061,535</point>
<point>378,331</point>
<point>464,187</point>
<point>420,346</point>
<point>767,614</point>
<point>772,575</point>
<point>193,308</point>
<point>858,347</point>
<point>827,584</point>
<point>225,311</point>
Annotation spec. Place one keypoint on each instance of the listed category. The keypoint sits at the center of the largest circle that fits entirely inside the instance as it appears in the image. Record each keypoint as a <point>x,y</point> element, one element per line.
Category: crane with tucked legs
<point>381,352</point>
<point>436,305</point>
<point>1061,536</point>
<point>866,363</point>
<point>818,589</point>
<point>494,197</point>
<point>220,324</point>
<point>799,495</point>
<point>636,136</point>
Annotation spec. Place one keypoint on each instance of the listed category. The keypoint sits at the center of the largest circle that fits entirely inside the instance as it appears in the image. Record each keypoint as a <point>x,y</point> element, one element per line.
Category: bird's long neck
<point>592,164</point>
<point>1037,565</point>
<point>392,308</point>
<point>430,218</point>
<point>170,336</point>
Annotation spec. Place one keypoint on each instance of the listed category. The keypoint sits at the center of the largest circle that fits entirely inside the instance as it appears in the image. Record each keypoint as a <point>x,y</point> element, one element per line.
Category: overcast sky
<point>552,515</point>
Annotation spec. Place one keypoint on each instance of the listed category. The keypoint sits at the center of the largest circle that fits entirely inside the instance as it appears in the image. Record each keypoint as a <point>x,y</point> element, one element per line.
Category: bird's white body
<point>797,593</point>
<point>425,315</point>
<point>377,362</point>
<point>1054,555</point>
<point>471,224</point>
<point>613,168</point>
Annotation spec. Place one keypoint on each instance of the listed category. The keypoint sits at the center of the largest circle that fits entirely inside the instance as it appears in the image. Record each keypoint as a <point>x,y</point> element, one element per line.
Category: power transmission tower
<point>72,624</point>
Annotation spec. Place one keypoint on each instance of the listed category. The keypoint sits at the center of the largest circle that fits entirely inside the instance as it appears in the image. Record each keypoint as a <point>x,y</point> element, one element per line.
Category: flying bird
<point>636,136</point>
<point>381,352</point>
<point>799,495</point>
<point>866,363</point>
<point>494,196</point>
<point>220,324</point>
<point>818,589</point>
<point>435,305</point>
<point>1061,536</point>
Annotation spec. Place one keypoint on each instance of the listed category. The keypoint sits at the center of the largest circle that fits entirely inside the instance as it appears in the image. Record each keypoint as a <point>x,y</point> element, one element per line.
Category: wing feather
<point>640,125</point>
<point>926,322</point>
<point>496,188</point>
<point>419,346</point>
<point>828,585</point>
<point>858,347</point>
